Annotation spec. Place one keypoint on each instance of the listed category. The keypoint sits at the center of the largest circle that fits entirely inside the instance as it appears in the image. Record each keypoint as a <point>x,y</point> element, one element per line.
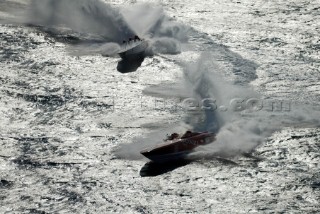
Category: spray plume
<point>238,130</point>
<point>103,26</point>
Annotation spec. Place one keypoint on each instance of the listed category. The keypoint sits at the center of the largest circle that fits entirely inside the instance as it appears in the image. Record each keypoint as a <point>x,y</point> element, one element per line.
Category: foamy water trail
<point>241,119</point>
<point>238,115</point>
<point>202,80</point>
<point>98,20</point>
<point>205,83</point>
<point>83,16</point>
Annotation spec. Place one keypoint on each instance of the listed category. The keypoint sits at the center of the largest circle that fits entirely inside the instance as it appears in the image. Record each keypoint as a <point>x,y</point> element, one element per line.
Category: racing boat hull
<point>177,148</point>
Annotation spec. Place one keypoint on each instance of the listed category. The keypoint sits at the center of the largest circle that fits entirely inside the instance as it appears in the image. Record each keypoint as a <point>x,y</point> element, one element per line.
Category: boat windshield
<point>189,134</point>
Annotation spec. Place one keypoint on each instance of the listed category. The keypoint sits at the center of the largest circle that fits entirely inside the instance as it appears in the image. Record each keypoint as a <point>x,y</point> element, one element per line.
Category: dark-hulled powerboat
<point>176,147</point>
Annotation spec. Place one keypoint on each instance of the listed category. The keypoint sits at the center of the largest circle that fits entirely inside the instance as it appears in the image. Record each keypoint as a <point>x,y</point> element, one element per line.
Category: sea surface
<point>63,117</point>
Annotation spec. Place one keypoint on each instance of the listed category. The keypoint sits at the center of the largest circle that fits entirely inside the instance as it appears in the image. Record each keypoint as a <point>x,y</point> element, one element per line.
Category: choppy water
<point>62,116</point>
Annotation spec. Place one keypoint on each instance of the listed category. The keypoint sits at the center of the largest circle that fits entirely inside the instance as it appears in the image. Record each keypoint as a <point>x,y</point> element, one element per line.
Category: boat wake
<point>100,27</point>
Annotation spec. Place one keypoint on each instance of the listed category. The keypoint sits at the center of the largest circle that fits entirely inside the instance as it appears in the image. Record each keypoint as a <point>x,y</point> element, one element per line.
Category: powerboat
<point>177,147</point>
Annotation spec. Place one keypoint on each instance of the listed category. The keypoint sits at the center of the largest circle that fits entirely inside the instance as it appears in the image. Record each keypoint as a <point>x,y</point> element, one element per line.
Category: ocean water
<point>72,126</point>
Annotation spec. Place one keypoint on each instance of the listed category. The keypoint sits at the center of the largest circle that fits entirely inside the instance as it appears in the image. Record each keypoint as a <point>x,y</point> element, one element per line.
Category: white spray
<point>240,126</point>
<point>98,20</point>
